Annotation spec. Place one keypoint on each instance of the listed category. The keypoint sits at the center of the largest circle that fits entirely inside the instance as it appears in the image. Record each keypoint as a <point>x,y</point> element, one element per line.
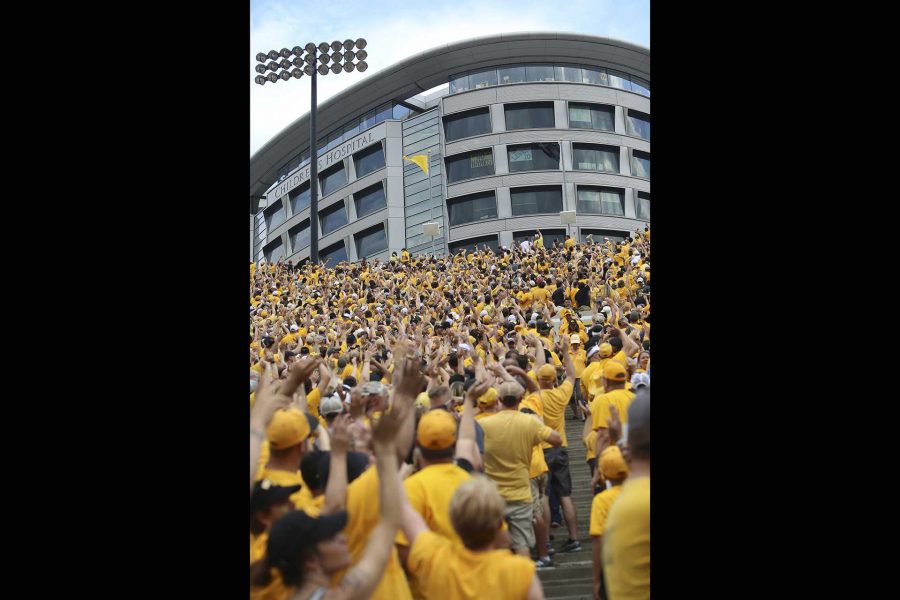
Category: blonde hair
<point>476,511</point>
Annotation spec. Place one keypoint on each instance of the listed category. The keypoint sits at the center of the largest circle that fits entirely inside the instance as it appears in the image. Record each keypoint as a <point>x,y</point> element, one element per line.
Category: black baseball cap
<point>296,531</point>
<point>543,326</point>
<point>265,494</point>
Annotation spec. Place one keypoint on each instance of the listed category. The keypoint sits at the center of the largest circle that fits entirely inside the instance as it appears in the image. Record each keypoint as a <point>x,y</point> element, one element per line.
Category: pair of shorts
<point>521,530</point>
<point>558,463</point>
<point>538,486</point>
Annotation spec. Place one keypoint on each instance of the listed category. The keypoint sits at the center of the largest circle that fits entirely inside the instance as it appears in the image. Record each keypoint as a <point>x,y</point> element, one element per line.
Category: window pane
<point>511,74</point>
<point>474,207</point>
<point>467,124</point>
<point>469,165</point>
<point>619,81</point>
<point>568,74</point>
<point>275,214</point>
<point>367,121</point>
<point>598,234</point>
<point>595,158</point>
<point>371,241</point>
<point>638,124</point>
<point>535,200</point>
<point>335,217</point>
<point>274,251</point>
<point>601,201</point>
<point>591,116</point>
<point>460,83</point>
<point>484,78</point>
<point>469,244</point>
<point>300,236</point>
<point>333,179</point>
<point>384,112</point>
<point>594,75</point>
<point>539,73</point>
<point>641,87</point>
<point>369,200</point>
<point>640,165</point>
<point>299,198</point>
<point>333,254</point>
<point>400,112</point>
<point>529,115</point>
<point>533,157</point>
<point>642,206</point>
<point>368,160</point>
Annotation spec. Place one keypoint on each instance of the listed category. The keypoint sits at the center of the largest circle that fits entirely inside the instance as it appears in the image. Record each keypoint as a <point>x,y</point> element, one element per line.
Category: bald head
<point>639,424</point>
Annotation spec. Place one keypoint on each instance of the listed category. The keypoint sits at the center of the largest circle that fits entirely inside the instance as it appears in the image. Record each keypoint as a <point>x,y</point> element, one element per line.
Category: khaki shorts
<point>538,487</point>
<point>518,517</point>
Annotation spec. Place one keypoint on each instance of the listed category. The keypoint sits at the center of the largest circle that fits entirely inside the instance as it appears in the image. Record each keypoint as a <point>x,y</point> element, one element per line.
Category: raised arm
<point>336,488</point>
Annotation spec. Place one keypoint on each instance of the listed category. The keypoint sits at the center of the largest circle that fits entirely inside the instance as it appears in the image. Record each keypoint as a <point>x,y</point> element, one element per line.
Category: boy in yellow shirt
<point>614,469</point>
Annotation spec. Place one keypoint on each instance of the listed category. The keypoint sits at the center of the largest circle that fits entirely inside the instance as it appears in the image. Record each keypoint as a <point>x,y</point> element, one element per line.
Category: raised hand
<point>340,434</point>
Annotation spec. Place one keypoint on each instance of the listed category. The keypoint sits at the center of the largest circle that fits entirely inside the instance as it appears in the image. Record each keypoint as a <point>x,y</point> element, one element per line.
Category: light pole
<point>304,62</point>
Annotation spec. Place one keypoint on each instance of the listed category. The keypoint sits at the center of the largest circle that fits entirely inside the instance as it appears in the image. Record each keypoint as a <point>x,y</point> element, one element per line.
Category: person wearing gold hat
<point>615,471</point>
<point>613,377</point>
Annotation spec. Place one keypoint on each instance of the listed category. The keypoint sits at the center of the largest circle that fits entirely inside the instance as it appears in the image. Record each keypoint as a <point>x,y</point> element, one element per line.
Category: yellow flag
<point>419,159</point>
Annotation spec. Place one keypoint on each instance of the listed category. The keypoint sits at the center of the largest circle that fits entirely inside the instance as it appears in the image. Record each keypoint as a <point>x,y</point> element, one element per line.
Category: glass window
<point>600,201</point>
<point>572,74</point>
<point>529,115</point>
<point>384,112</point>
<point>491,241</point>
<point>598,234</point>
<point>466,124</point>
<point>369,200</point>
<point>471,208</point>
<point>333,178</point>
<point>642,206</point>
<point>299,236</point>
<point>481,79</point>
<point>460,83</point>
<point>595,76</point>
<point>471,164</point>
<point>274,251</point>
<point>401,112</point>
<point>351,130</point>
<point>333,217</point>
<point>368,160</point>
<point>619,80</point>
<point>539,73</point>
<point>299,198</point>
<point>535,200</point>
<point>334,254</point>
<point>587,157</point>
<point>275,214</point>
<point>640,86</point>
<point>283,173</point>
<point>637,123</point>
<point>591,116</point>
<point>371,241</point>
<point>515,74</point>
<point>550,236</point>
<point>533,157</point>
<point>640,164</point>
<point>368,120</point>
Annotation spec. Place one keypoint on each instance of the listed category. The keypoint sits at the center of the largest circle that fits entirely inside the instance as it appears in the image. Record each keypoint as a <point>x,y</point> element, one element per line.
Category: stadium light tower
<point>304,63</point>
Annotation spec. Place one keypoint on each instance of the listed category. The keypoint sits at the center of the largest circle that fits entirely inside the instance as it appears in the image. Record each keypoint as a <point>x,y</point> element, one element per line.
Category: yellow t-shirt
<point>578,359</point>
<point>448,570</point>
<point>363,508</point>
<point>554,402</point>
<point>540,294</point>
<point>587,376</point>
<point>569,243</point>
<point>626,543</point>
<point>600,508</point>
<point>312,400</point>
<point>509,437</point>
<point>429,492</point>
<point>539,243</point>
<point>600,412</point>
<point>591,443</point>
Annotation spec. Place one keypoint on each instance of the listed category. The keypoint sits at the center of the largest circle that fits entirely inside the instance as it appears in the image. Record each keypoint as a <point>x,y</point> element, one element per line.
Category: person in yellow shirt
<point>615,471</point>
<point>487,404</point>
<point>579,356</point>
<point>509,437</point>
<point>473,570</point>
<point>614,378</point>
<point>286,435</point>
<point>538,240</point>
<point>569,243</point>
<point>555,399</point>
<point>268,503</point>
<point>626,535</point>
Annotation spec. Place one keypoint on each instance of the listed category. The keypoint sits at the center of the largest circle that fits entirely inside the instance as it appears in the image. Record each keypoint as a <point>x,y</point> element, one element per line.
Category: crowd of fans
<point>407,421</point>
